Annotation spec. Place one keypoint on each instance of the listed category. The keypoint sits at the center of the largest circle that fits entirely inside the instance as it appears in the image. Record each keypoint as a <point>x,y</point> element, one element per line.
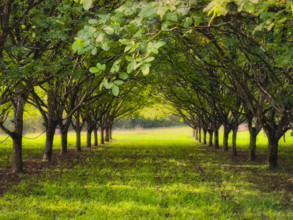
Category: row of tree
<point>38,68</point>
<point>220,62</point>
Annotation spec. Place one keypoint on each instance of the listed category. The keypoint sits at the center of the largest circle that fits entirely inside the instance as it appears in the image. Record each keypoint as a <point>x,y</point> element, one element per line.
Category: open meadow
<point>150,174</point>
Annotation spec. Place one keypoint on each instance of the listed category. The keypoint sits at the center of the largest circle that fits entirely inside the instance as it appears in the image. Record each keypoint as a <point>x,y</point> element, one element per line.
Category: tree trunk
<point>284,138</point>
<point>216,139</point>
<point>111,132</point>
<point>89,138</point>
<point>234,139</point>
<point>64,137</point>
<point>196,134</point>
<point>252,144</point>
<point>210,138</point>
<point>199,134</point>
<point>49,141</point>
<point>78,133</point>
<point>273,152</point>
<point>17,165</point>
<point>107,136</point>
<point>96,137</point>
<point>204,136</point>
<point>102,136</point>
<point>226,138</point>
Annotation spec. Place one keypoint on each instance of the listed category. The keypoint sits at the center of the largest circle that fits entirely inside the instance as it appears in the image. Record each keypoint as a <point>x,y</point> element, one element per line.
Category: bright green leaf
<point>115,90</point>
<point>188,22</point>
<point>94,70</point>
<point>94,51</point>
<point>131,66</point>
<point>123,76</point>
<point>149,11</point>
<point>78,45</point>
<point>118,82</point>
<point>87,4</point>
<point>145,69</point>
<point>109,30</point>
<point>101,67</point>
<point>93,21</point>
<point>149,59</point>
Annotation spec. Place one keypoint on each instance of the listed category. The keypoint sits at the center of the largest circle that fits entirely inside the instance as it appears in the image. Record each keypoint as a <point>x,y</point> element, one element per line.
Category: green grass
<point>153,174</point>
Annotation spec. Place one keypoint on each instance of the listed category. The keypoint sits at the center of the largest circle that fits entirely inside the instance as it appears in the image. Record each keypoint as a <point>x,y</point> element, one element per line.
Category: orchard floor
<point>149,174</point>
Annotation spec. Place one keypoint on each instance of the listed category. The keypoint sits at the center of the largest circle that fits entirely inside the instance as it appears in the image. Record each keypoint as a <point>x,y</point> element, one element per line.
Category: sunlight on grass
<point>149,174</point>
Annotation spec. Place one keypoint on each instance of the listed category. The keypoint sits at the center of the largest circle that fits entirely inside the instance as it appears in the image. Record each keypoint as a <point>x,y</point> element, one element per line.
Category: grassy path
<point>148,175</point>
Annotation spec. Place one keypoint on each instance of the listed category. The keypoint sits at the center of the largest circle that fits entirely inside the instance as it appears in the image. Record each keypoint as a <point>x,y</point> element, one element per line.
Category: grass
<point>153,174</point>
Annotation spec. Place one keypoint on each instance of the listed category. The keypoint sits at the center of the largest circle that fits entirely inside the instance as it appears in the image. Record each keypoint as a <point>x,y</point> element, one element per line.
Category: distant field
<point>153,174</point>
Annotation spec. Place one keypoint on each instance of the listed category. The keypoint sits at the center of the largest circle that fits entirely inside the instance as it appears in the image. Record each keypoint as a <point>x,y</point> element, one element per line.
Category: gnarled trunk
<point>216,139</point>
<point>204,136</point>
<point>252,143</point>
<point>107,135</point>
<point>102,136</point>
<point>64,142</point>
<point>210,138</point>
<point>199,134</point>
<point>111,132</point>
<point>49,141</point>
<point>17,165</point>
<point>226,137</point>
<point>88,135</point>
<point>78,133</point>
<point>64,136</point>
<point>273,152</point>
<point>234,140</point>
<point>96,136</point>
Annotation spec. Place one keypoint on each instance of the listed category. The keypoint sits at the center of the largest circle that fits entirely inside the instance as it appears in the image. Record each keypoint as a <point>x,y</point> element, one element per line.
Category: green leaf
<point>115,67</point>
<point>145,69</point>
<point>125,42</point>
<point>162,11</point>
<point>123,76</point>
<point>78,45</point>
<point>149,11</point>
<point>127,48</point>
<point>94,51</point>
<point>94,70</point>
<point>105,46</point>
<point>258,28</point>
<point>188,22</point>
<point>108,85</point>
<point>249,7</point>
<point>101,67</point>
<point>172,16</point>
<point>131,66</point>
<point>149,59</point>
<point>158,44</point>
<point>100,38</point>
<point>109,30</point>
<point>118,82</point>
<point>165,25</point>
<point>104,18</point>
<point>93,21</point>
<point>87,4</point>
<point>115,90</point>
